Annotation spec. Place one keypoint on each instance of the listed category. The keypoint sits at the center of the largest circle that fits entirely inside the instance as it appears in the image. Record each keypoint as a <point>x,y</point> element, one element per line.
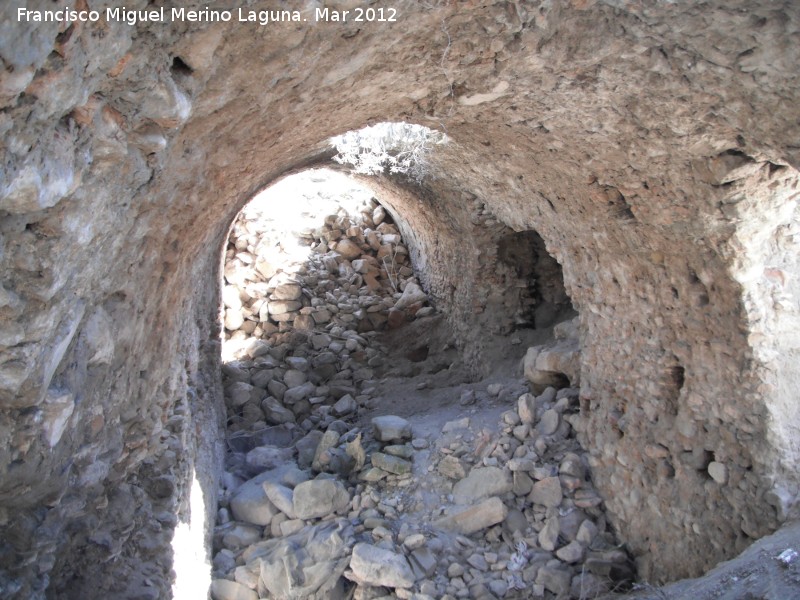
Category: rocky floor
<point>363,462</point>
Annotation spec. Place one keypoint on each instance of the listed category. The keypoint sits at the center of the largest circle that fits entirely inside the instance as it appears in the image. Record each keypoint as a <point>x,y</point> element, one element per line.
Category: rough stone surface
<point>319,498</point>
<point>718,472</point>
<point>376,566</point>
<point>281,496</point>
<point>482,482</point>
<point>571,553</point>
<point>392,464</point>
<point>548,536</point>
<point>391,428</point>
<point>307,564</point>
<point>475,518</point>
<point>546,492</point>
<point>252,505</point>
<point>452,467</point>
<point>526,407</point>
<point>222,589</point>
<point>652,146</point>
<point>555,578</point>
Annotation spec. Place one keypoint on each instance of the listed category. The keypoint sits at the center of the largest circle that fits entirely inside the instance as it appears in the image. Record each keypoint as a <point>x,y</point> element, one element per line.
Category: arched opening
<point>357,431</point>
<point>313,266</point>
<point>543,301</point>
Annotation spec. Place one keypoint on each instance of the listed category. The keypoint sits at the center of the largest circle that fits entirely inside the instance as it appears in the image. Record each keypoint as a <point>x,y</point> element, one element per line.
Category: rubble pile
<point>477,512</point>
<point>354,274</point>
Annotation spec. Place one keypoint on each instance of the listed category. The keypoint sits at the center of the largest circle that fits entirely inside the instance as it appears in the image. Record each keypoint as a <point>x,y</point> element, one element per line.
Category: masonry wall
<point>651,145</point>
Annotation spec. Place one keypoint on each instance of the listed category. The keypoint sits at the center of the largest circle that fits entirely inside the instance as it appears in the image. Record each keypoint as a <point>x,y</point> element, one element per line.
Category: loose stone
<point>549,422</point>
<point>392,464</point>
<point>548,536</point>
<point>547,492</point>
<point>571,553</point>
<point>423,562</point>
<point>319,498</point>
<point>586,532</point>
<point>345,406</point>
<point>718,472</point>
<point>555,578</point>
<point>251,504</point>
<point>475,518</point>
<point>391,428</point>
<point>376,566</point>
<point>451,467</point>
<point>222,589</point>
<point>482,482</point>
<point>526,408</point>
<point>281,497</point>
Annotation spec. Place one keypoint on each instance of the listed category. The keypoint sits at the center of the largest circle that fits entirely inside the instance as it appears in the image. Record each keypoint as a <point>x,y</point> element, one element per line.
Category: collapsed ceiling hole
<point>391,148</point>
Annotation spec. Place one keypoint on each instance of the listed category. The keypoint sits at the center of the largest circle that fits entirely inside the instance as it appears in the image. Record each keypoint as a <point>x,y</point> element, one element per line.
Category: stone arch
<point>109,232</point>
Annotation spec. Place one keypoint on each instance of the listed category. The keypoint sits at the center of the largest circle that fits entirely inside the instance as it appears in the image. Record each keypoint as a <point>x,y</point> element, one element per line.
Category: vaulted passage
<point>330,344</point>
<point>609,207</point>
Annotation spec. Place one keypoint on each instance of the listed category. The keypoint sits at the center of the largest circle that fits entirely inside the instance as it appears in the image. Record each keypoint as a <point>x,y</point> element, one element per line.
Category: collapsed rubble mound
<point>298,311</point>
<point>329,493</point>
<point>352,271</point>
<point>482,510</point>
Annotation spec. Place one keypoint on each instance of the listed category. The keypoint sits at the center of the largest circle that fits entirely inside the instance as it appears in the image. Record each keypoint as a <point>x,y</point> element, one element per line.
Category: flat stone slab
<point>392,464</point>
<point>375,566</point>
<point>475,518</point>
<point>389,428</point>
<point>482,482</point>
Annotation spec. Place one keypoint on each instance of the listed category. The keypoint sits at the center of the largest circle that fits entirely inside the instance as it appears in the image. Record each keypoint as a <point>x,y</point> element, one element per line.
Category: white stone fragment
<point>787,557</point>
<point>57,409</point>
<point>380,567</point>
<point>222,589</point>
<point>718,472</point>
<point>319,498</point>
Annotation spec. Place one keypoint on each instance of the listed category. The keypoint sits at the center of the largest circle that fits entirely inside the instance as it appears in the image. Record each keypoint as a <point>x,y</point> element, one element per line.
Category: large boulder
<point>390,428</point>
<point>482,482</point>
<point>319,498</point>
<point>375,566</point>
<point>251,504</point>
<point>308,564</point>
